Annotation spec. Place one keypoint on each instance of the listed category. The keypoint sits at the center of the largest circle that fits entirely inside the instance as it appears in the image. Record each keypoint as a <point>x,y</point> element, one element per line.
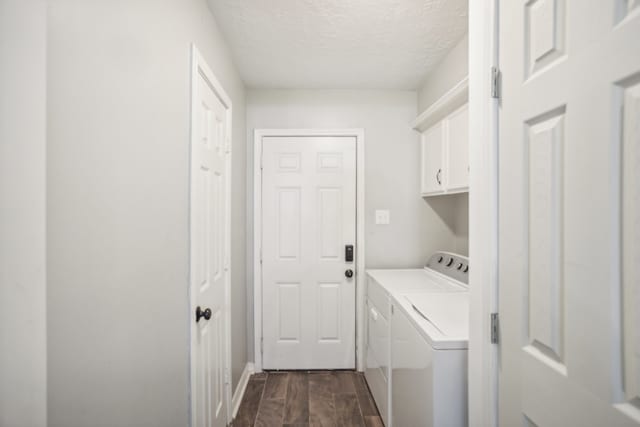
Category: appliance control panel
<point>451,265</point>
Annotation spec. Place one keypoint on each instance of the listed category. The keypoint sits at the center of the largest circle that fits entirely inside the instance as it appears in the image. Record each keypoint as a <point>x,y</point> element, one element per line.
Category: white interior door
<point>568,286</point>
<point>209,256</point>
<point>308,216</point>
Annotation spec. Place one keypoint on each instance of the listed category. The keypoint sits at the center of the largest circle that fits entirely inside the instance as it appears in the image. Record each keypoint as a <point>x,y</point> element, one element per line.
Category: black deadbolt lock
<point>348,253</point>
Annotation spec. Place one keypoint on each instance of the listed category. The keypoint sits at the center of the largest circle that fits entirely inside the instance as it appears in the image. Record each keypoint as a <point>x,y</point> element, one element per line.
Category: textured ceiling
<point>339,44</point>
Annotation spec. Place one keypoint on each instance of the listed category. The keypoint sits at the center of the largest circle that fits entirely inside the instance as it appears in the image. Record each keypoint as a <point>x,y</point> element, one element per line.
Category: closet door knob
<point>349,273</point>
<point>200,313</point>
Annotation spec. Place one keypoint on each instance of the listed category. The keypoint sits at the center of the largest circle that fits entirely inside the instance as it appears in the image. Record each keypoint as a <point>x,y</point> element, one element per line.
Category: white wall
<point>461,225</point>
<point>451,70</point>
<point>23,350</point>
<point>392,166</point>
<point>118,231</point>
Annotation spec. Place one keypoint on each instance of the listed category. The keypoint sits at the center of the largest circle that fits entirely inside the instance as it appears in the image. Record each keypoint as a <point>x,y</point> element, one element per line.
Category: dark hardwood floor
<point>315,398</point>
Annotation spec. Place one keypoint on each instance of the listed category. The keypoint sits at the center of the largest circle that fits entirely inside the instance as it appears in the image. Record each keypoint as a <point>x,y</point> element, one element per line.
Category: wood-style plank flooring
<point>314,398</point>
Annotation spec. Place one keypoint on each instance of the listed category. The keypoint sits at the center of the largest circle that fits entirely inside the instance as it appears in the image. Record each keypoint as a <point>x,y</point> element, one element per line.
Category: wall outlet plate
<point>382,217</point>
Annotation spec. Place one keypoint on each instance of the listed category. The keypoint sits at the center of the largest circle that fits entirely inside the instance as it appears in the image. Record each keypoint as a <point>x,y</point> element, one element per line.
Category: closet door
<point>569,215</point>
<point>457,171</point>
<point>432,160</point>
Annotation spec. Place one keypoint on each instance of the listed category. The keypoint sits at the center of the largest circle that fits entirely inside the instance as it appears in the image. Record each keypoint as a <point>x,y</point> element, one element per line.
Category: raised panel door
<point>208,243</point>
<point>308,216</point>
<point>568,213</point>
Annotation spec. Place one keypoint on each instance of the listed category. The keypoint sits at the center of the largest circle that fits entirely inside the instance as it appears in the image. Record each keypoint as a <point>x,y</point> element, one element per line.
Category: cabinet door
<point>432,159</point>
<point>457,165</point>
<point>377,359</point>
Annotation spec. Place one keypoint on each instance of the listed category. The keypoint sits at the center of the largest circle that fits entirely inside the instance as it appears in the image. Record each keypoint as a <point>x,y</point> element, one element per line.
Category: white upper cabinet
<point>457,150</point>
<point>444,128</point>
<point>445,155</point>
<point>433,159</point>
<point>445,143</point>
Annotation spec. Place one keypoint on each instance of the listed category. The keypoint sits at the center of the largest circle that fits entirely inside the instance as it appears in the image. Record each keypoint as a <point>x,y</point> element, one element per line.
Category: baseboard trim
<point>242,387</point>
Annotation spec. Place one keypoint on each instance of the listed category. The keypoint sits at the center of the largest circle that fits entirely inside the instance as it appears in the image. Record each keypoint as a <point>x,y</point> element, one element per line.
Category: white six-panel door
<point>308,216</point>
<point>209,258</point>
<point>569,216</point>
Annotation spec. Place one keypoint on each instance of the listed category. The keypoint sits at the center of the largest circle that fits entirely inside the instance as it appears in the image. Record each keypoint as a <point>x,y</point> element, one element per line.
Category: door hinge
<point>392,309</point>
<point>495,328</point>
<point>261,345</point>
<point>495,82</point>
<point>260,255</point>
<point>227,380</point>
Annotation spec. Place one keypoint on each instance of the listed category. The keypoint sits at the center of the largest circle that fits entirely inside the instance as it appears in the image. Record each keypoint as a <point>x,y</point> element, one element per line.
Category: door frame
<point>259,134</point>
<point>483,212</point>
<point>199,66</point>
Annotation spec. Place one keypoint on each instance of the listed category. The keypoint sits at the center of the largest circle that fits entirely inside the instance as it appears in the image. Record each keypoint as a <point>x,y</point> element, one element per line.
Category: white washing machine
<point>417,337</point>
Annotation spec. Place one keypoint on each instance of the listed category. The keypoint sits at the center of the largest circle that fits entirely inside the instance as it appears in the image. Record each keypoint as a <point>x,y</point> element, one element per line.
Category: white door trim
<point>199,65</point>
<point>257,232</point>
<point>483,213</point>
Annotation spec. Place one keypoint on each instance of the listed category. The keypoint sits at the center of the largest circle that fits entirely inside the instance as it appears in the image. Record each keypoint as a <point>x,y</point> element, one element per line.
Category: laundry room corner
<point>415,229</point>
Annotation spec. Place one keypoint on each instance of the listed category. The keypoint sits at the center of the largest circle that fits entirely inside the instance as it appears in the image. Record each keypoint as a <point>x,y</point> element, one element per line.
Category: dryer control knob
<point>450,262</point>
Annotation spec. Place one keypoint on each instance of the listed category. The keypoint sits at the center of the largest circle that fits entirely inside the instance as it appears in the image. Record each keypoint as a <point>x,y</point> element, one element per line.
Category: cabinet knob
<point>438,176</point>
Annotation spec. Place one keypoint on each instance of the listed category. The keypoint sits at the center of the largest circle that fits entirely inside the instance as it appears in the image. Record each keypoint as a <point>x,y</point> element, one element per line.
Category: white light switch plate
<point>382,217</point>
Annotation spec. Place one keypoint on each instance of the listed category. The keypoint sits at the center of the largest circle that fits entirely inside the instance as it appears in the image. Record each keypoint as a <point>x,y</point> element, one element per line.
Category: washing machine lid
<point>447,312</point>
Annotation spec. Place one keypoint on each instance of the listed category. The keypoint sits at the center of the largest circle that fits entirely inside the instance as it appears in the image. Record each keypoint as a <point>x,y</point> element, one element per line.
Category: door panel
<point>544,34</point>
<point>308,216</point>
<point>544,142</point>
<point>568,215</point>
<point>208,242</point>
<point>289,221</point>
<point>289,311</point>
<point>328,309</point>
<point>330,224</point>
